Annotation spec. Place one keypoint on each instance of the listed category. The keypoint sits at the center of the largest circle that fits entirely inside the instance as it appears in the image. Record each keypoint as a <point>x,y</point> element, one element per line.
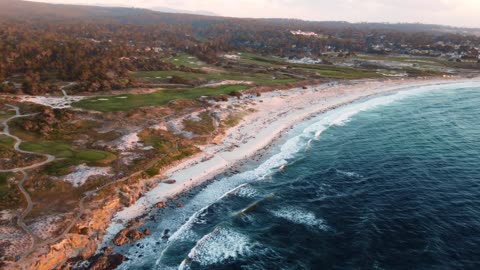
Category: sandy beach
<point>274,112</point>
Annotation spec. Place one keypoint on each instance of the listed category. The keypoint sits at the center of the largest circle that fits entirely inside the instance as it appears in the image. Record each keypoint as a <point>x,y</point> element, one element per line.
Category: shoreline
<point>275,113</point>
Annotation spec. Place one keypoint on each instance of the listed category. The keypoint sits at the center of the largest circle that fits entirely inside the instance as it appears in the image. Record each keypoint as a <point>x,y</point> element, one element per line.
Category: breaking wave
<point>300,216</point>
<point>218,246</point>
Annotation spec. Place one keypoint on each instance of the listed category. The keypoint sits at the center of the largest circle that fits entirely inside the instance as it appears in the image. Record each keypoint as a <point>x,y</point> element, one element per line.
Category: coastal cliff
<point>81,242</point>
<point>113,204</point>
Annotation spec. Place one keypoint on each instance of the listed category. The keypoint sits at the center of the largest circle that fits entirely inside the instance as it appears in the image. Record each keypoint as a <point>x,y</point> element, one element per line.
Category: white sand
<point>53,102</point>
<point>227,82</point>
<point>83,172</point>
<point>304,60</point>
<point>232,56</point>
<point>129,142</point>
<point>279,111</point>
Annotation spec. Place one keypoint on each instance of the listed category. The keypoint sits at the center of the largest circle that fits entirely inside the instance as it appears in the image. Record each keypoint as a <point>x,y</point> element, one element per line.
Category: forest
<point>98,47</point>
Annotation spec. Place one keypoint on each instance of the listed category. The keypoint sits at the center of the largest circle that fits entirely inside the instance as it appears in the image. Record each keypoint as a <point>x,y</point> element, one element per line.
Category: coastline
<point>274,113</point>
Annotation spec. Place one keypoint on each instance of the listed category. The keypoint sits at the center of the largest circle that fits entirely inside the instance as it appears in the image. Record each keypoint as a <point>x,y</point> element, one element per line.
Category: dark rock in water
<point>127,236</point>
<point>134,223</point>
<point>165,234</point>
<point>106,262</point>
<point>108,251</point>
<point>121,238</point>
<point>146,231</point>
<point>135,235</point>
<point>161,204</point>
<point>170,181</point>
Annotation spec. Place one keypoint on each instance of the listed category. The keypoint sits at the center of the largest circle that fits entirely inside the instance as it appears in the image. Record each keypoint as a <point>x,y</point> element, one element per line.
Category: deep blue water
<point>387,183</point>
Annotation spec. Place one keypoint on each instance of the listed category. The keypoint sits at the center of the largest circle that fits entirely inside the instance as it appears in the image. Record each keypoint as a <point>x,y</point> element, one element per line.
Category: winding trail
<point>23,171</point>
<point>37,241</point>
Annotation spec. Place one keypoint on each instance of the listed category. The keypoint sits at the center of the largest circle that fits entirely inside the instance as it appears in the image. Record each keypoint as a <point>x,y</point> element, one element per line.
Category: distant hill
<point>24,10</point>
<point>402,27</point>
<point>18,10</point>
<point>182,11</point>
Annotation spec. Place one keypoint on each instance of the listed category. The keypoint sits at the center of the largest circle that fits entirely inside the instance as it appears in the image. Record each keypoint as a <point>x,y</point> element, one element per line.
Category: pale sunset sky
<point>445,12</point>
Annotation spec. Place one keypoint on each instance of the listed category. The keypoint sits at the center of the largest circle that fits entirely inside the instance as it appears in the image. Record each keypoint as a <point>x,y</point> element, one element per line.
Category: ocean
<point>389,182</point>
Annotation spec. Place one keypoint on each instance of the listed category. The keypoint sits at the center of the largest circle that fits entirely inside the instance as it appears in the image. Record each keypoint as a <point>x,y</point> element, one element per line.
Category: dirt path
<point>23,171</point>
<point>37,241</point>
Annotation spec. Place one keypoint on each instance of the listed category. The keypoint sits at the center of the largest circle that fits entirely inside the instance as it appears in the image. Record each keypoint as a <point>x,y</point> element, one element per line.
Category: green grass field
<point>162,97</point>
<point>67,157</point>
<point>326,71</point>
<point>186,60</point>
<point>168,146</point>
<point>265,61</point>
<point>4,184</point>
<point>60,150</point>
<point>6,141</point>
<point>5,114</point>
<point>417,60</point>
<point>256,78</point>
<point>336,72</point>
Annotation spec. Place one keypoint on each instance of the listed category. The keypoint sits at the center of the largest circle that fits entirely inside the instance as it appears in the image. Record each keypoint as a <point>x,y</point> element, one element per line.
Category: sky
<point>445,12</point>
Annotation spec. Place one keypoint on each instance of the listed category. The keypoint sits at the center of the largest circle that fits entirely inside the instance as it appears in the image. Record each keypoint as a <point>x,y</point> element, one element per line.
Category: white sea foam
<point>300,216</point>
<point>349,174</point>
<point>185,232</point>
<point>342,115</point>
<point>218,246</point>
<point>245,191</point>
<point>218,189</point>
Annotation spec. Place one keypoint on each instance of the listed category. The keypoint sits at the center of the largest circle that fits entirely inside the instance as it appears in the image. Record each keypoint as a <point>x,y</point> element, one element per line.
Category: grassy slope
<point>162,97</point>
<point>419,61</point>
<point>204,126</point>
<point>60,150</point>
<point>66,156</point>
<point>4,184</point>
<point>169,148</point>
<point>257,78</point>
<point>5,114</point>
<point>6,141</point>
<point>336,72</point>
<point>327,71</point>
<point>186,60</point>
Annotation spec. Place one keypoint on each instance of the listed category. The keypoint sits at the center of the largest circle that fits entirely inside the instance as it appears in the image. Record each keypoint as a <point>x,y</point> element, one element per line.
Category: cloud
<point>453,12</point>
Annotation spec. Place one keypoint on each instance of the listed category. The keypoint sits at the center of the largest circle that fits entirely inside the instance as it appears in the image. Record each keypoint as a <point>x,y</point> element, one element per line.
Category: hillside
<point>25,10</point>
<point>96,103</point>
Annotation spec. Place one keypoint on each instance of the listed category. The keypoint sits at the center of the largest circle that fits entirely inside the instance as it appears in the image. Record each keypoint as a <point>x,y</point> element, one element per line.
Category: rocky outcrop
<point>161,204</point>
<point>106,262</point>
<point>170,182</point>
<point>129,195</point>
<point>127,236</point>
<point>82,241</point>
<point>72,246</point>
